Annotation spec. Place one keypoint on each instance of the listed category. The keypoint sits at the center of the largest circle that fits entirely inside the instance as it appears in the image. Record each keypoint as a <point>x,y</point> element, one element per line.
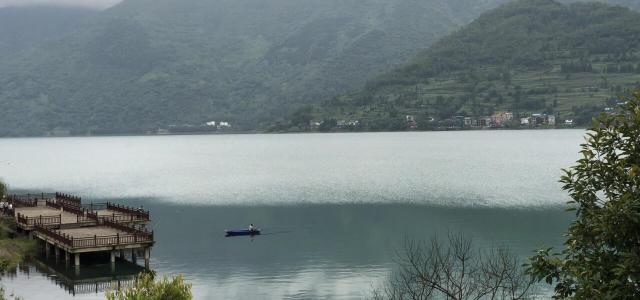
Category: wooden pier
<point>69,227</point>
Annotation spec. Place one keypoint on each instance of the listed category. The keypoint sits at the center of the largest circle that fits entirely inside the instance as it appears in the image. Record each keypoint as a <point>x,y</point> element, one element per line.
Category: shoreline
<point>281,132</point>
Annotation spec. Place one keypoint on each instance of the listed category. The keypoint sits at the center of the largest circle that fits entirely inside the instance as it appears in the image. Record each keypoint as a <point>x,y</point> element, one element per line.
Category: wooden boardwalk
<point>63,223</point>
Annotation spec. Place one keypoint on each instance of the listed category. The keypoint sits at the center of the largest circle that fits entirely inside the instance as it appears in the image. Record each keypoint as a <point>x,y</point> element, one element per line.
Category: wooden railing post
<point>95,240</point>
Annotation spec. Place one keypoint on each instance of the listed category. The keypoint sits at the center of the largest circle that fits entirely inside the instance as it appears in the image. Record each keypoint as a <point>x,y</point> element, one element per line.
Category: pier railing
<point>82,215</point>
<point>41,220</point>
<point>100,286</point>
<point>28,200</point>
<point>140,231</point>
<point>140,213</point>
<point>68,200</point>
<point>53,234</point>
<point>95,206</point>
<point>134,236</point>
<point>122,218</point>
<point>53,204</point>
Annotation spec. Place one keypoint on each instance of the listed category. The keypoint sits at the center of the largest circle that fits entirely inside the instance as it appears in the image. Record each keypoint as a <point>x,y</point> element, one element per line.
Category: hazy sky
<point>85,3</point>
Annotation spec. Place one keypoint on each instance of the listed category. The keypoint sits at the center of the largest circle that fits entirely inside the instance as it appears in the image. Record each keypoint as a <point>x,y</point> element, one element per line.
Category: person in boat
<point>252,228</point>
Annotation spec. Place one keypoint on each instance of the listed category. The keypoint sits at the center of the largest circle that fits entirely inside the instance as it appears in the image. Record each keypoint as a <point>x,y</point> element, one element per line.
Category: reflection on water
<point>309,251</point>
<point>323,251</point>
<point>87,281</point>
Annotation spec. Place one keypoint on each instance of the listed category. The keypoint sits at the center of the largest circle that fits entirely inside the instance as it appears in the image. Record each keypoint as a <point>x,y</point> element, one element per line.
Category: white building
<point>551,120</point>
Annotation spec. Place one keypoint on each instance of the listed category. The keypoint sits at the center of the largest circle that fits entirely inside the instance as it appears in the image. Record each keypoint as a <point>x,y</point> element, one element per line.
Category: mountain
<point>146,64</point>
<point>533,56</point>
<point>25,27</point>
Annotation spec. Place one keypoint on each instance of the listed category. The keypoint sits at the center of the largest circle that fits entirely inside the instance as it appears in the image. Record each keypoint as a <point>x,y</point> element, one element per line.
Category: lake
<point>334,208</point>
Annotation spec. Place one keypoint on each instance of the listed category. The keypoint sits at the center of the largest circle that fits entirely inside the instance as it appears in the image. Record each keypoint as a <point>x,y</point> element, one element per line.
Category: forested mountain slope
<point>145,64</point>
<point>530,56</point>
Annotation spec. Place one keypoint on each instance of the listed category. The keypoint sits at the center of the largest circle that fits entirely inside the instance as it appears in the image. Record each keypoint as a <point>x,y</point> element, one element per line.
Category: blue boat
<point>240,232</point>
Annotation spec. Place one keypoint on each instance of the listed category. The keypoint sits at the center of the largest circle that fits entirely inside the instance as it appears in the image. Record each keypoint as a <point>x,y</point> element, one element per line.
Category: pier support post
<point>77,259</point>
<point>66,257</point>
<point>147,256</point>
<point>56,252</point>
<point>122,254</point>
<point>133,256</point>
<point>47,249</point>
<point>113,256</point>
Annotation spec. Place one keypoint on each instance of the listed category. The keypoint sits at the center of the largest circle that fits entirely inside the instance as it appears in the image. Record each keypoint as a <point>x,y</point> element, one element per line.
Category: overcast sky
<point>99,4</point>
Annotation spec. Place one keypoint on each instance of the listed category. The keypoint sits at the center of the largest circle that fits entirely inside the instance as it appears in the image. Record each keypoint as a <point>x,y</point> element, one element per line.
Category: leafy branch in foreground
<point>601,259</point>
<point>456,270</point>
<point>146,288</point>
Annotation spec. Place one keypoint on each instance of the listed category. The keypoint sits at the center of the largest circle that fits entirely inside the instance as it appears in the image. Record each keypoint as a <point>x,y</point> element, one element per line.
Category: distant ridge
<point>148,65</point>
<point>528,56</point>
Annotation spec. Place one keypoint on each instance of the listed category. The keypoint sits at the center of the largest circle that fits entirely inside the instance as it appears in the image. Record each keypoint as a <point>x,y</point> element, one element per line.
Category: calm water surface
<point>334,207</point>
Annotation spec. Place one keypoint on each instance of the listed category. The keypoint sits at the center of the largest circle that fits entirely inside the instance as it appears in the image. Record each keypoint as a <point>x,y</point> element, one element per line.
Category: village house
<point>551,120</point>
<point>467,121</point>
<point>218,125</point>
<point>500,118</point>
<point>411,122</point>
<point>345,123</point>
<point>315,124</point>
<point>539,119</point>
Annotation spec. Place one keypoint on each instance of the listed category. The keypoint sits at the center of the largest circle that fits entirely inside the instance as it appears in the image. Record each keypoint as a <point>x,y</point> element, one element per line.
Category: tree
<point>3,190</point>
<point>328,125</point>
<point>302,116</point>
<point>456,271</point>
<point>601,259</point>
<point>146,288</point>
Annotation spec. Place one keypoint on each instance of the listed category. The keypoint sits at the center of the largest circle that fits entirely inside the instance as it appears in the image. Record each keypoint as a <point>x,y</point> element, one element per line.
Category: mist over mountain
<point>26,27</point>
<point>91,4</point>
<point>147,64</point>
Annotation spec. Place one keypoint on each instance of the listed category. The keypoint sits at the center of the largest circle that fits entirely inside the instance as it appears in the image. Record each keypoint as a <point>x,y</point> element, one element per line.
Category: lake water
<point>334,207</point>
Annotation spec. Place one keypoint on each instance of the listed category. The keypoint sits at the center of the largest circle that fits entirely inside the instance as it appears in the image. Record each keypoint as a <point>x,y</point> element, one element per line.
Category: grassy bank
<point>13,248</point>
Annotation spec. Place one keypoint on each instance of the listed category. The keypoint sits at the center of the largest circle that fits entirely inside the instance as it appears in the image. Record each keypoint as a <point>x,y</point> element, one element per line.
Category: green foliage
<point>147,288</point>
<point>602,255</point>
<point>302,116</point>
<point>13,250</point>
<point>147,64</point>
<point>527,56</point>
<point>3,190</point>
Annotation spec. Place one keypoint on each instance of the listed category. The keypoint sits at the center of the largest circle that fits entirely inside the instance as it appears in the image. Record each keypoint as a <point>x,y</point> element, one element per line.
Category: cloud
<point>97,4</point>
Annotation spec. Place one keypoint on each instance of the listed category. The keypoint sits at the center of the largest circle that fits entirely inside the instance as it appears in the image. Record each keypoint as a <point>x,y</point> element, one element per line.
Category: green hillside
<point>533,56</point>
<point>148,64</point>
